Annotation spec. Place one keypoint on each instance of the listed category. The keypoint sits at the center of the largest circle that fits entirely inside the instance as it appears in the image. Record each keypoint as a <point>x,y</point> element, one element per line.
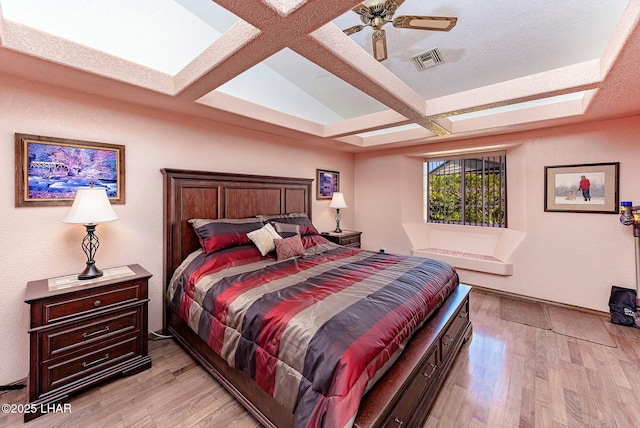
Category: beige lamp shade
<point>91,206</point>
<point>337,201</point>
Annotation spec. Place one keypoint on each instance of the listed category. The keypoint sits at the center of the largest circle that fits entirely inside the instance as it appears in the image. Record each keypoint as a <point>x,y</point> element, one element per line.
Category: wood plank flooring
<point>508,375</point>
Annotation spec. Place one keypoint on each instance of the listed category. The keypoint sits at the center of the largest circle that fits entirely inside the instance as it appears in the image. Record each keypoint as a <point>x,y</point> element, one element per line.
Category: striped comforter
<point>315,332</point>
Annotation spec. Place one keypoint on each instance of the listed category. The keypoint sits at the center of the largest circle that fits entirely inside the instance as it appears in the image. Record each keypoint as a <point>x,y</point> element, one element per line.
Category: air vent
<point>428,59</point>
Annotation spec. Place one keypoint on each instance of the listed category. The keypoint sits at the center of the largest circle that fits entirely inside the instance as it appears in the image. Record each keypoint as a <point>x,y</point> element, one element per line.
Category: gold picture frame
<point>48,170</point>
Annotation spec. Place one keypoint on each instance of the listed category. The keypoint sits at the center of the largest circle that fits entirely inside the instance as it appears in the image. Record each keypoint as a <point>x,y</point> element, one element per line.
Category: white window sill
<point>468,261</point>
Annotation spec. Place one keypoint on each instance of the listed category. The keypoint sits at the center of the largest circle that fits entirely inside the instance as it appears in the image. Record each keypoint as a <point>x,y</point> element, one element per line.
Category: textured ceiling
<point>285,67</point>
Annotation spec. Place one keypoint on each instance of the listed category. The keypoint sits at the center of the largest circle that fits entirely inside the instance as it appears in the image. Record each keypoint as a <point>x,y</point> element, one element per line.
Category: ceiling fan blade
<point>433,23</point>
<point>391,6</point>
<point>349,31</point>
<point>362,9</point>
<point>379,39</point>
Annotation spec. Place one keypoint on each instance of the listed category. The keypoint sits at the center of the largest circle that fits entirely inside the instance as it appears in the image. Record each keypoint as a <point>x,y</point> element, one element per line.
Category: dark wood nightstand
<point>348,238</point>
<point>84,332</point>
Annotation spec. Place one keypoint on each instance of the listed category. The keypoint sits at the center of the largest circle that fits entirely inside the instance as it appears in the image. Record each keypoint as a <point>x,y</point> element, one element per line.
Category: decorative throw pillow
<point>301,219</point>
<point>263,238</point>
<point>289,247</point>
<point>217,234</point>
<point>286,230</point>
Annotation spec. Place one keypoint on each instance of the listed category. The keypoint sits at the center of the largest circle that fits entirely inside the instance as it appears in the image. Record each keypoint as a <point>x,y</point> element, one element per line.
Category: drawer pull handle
<point>464,315</point>
<point>448,336</point>
<point>87,335</point>
<point>433,370</point>
<point>86,365</point>
<point>97,303</point>
<point>398,421</point>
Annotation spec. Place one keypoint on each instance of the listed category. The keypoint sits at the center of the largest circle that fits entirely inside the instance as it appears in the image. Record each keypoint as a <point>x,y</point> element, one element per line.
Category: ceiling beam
<point>263,32</point>
<point>331,49</point>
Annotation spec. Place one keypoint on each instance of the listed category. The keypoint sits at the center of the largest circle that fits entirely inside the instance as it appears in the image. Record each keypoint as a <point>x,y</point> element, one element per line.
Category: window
<point>471,191</point>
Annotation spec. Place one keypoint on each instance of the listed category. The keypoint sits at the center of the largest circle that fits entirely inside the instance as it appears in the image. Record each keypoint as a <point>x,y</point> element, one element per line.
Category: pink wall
<point>569,258</point>
<point>35,242</point>
<point>564,257</point>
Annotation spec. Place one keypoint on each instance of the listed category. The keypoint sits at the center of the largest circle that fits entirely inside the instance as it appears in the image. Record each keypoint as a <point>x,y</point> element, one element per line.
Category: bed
<point>371,380</point>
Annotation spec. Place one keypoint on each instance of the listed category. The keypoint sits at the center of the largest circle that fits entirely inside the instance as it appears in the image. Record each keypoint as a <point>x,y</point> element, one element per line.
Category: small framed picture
<point>327,183</point>
<point>590,188</point>
<point>49,170</point>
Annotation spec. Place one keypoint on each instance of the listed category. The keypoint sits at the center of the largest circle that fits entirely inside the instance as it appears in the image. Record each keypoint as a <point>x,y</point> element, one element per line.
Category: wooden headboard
<point>203,194</point>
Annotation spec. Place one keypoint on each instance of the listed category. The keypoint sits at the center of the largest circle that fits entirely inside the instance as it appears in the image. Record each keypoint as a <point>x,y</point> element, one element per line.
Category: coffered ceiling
<point>286,68</point>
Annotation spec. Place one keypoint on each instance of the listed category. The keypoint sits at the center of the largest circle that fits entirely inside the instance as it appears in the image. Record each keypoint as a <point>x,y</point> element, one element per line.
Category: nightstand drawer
<point>62,371</point>
<point>69,338</point>
<point>62,308</point>
<point>350,240</point>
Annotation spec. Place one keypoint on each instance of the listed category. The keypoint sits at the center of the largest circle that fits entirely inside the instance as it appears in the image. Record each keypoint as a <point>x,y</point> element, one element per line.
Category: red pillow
<point>289,247</point>
<point>218,234</point>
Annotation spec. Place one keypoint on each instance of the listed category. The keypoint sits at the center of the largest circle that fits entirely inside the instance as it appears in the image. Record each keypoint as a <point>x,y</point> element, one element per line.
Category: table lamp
<point>90,207</point>
<point>337,202</point>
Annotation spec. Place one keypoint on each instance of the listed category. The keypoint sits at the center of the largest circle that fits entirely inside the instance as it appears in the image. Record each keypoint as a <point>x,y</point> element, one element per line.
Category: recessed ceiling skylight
<point>389,130</point>
<point>318,95</point>
<point>167,42</point>
<point>195,54</point>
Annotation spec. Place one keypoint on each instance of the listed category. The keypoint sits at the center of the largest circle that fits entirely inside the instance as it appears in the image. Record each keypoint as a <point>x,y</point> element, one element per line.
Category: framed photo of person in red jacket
<point>590,188</point>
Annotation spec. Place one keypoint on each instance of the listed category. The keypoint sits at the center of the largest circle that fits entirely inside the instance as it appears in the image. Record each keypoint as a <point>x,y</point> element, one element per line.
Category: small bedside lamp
<point>337,202</point>
<point>90,207</point>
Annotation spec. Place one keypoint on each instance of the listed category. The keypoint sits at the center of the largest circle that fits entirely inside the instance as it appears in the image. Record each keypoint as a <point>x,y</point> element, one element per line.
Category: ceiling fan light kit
<point>377,13</point>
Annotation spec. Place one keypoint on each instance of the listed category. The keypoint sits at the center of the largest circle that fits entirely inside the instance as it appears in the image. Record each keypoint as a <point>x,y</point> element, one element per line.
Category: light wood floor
<point>509,375</point>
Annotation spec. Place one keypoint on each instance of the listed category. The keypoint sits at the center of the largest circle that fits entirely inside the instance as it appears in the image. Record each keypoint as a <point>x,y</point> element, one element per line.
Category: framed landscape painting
<point>49,170</point>
<point>590,188</point>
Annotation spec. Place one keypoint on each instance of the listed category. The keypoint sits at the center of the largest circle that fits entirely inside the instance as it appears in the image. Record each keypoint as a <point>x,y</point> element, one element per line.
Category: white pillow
<point>263,238</point>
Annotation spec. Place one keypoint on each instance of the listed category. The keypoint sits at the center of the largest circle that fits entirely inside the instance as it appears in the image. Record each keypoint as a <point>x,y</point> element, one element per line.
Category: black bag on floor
<point>622,305</point>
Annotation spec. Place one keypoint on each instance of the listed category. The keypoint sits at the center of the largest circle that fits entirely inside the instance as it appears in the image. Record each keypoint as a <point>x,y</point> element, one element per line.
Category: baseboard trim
<point>501,293</point>
<point>18,384</point>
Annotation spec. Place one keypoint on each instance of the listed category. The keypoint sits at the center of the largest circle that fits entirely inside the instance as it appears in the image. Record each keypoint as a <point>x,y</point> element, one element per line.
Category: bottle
<point>626,217</point>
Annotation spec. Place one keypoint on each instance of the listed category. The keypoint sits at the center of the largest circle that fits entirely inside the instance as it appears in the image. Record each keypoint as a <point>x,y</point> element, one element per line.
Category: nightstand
<point>348,238</point>
<point>85,332</point>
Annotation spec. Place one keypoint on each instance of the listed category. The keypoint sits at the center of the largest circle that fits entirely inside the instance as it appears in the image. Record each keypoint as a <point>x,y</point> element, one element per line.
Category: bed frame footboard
<point>402,397</point>
<point>405,394</point>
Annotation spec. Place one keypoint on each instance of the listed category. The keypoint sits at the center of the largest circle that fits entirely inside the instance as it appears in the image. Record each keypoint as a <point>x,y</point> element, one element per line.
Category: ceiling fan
<point>376,13</point>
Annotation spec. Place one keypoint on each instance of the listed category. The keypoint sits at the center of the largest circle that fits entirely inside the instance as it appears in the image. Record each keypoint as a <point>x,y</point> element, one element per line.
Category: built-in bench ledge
<point>469,261</point>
